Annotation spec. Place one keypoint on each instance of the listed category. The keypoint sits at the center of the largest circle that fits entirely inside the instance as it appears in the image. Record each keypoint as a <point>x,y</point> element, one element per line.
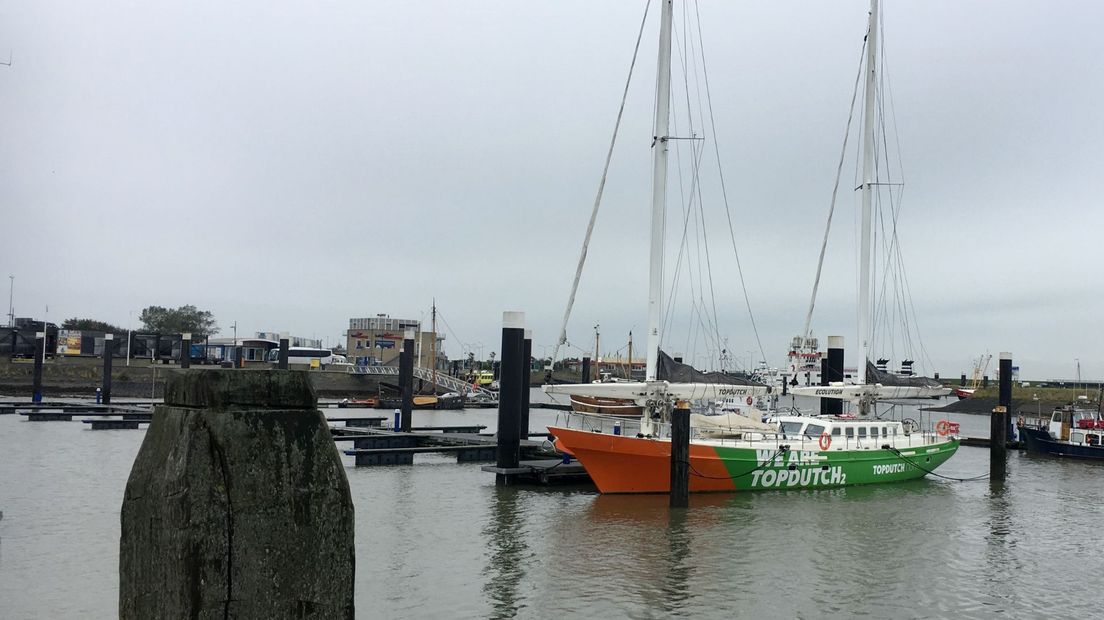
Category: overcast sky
<point>291,165</point>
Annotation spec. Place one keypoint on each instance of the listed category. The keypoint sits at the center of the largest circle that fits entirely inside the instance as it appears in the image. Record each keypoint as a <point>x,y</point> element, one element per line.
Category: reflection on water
<point>440,539</point>
<point>505,535</point>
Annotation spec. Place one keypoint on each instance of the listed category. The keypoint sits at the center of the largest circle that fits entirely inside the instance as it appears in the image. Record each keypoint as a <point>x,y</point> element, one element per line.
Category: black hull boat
<point>1070,433</point>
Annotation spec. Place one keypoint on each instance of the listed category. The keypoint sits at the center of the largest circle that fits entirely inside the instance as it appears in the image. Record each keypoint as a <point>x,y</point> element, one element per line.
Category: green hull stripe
<point>754,470</point>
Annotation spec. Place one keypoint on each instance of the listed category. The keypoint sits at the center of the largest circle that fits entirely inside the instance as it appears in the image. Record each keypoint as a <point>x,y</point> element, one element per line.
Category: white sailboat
<point>655,395</point>
<point>734,453</point>
<point>867,388</point>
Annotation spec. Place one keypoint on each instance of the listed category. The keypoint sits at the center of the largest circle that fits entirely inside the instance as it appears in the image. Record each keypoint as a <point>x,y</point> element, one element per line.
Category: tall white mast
<point>868,180</point>
<point>659,185</point>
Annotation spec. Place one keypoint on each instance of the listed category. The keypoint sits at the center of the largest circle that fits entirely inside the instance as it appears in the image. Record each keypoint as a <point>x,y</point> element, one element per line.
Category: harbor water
<point>439,539</point>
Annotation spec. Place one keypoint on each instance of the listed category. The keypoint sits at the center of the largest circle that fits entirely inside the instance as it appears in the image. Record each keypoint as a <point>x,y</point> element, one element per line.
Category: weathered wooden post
<point>509,393</point>
<point>238,361</point>
<point>237,505</point>
<point>962,381</point>
<point>39,359</point>
<point>108,352</point>
<point>680,455</point>
<point>586,370</point>
<point>285,347</point>
<point>155,353</point>
<point>185,350</point>
<point>406,379</point>
<point>525,368</point>
<point>998,424</point>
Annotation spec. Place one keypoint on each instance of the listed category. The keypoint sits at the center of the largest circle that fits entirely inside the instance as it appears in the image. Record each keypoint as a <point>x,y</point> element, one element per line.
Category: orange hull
<point>620,464</point>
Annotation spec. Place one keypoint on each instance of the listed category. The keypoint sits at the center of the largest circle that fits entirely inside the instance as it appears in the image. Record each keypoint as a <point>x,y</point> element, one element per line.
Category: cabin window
<point>1092,439</point>
<point>1057,417</point>
<point>850,431</point>
<point>813,430</point>
<point>791,428</point>
<point>1077,437</point>
<point>862,432</point>
<point>885,432</point>
<point>836,432</point>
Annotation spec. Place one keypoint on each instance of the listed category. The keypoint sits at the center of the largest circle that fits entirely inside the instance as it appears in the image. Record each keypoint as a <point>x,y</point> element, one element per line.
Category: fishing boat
<point>1070,431</point>
<point>633,456</point>
<point>963,392</point>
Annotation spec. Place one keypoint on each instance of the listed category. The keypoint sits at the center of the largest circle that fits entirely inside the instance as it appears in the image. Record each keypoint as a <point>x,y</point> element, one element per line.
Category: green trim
<point>752,469</point>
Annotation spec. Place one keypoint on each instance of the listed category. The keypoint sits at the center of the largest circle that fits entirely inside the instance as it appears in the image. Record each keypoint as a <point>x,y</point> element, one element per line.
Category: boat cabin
<point>1077,426</point>
<point>841,432</point>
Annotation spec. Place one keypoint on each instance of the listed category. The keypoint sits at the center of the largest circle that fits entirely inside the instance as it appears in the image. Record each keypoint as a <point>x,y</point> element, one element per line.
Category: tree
<point>91,325</point>
<point>185,319</point>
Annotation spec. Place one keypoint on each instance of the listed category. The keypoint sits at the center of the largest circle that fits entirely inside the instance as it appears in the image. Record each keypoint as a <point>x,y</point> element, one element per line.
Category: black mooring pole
<point>835,374</point>
<point>185,350</point>
<point>525,368</point>
<point>282,361</point>
<point>108,353</point>
<point>39,355</point>
<point>586,370</point>
<point>406,381</point>
<point>680,455</point>
<point>998,425</point>
<point>509,393</point>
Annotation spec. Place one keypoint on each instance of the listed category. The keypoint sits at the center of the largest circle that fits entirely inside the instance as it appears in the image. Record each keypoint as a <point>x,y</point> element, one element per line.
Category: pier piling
<point>185,350</point>
<point>282,362</point>
<point>998,424</point>
<point>406,379</point>
<point>108,351</point>
<point>36,381</point>
<point>586,370</point>
<point>509,394</point>
<point>237,505</point>
<point>524,367</point>
<point>832,372</point>
<point>680,455</point>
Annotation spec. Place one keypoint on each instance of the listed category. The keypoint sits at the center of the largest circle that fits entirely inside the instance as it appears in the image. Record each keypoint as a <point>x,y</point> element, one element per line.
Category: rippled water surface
<point>439,539</point>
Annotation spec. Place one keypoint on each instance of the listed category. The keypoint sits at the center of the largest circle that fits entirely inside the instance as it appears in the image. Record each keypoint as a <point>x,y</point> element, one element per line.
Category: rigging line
<point>928,471</point>
<point>601,187</point>
<point>835,193</point>
<point>724,190</point>
<point>449,327</point>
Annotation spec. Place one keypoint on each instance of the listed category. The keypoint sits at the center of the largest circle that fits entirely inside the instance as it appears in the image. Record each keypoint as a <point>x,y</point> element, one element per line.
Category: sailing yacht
<point>630,456</point>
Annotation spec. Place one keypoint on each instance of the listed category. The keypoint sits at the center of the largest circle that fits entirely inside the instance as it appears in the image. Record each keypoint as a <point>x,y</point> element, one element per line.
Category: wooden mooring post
<point>680,455</point>
<point>237,505</point>
<point>998,424</point>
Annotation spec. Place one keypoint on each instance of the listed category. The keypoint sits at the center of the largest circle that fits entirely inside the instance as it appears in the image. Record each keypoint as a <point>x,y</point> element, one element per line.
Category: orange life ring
<point>943,428</point>
<point>749,400</point>
<point>825,441</point>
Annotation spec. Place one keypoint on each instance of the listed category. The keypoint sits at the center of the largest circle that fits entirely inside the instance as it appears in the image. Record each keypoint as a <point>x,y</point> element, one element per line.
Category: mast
<point>659,186</point>
<point>868,180</point>
<point>629,373</point>
<point>433,347</point>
